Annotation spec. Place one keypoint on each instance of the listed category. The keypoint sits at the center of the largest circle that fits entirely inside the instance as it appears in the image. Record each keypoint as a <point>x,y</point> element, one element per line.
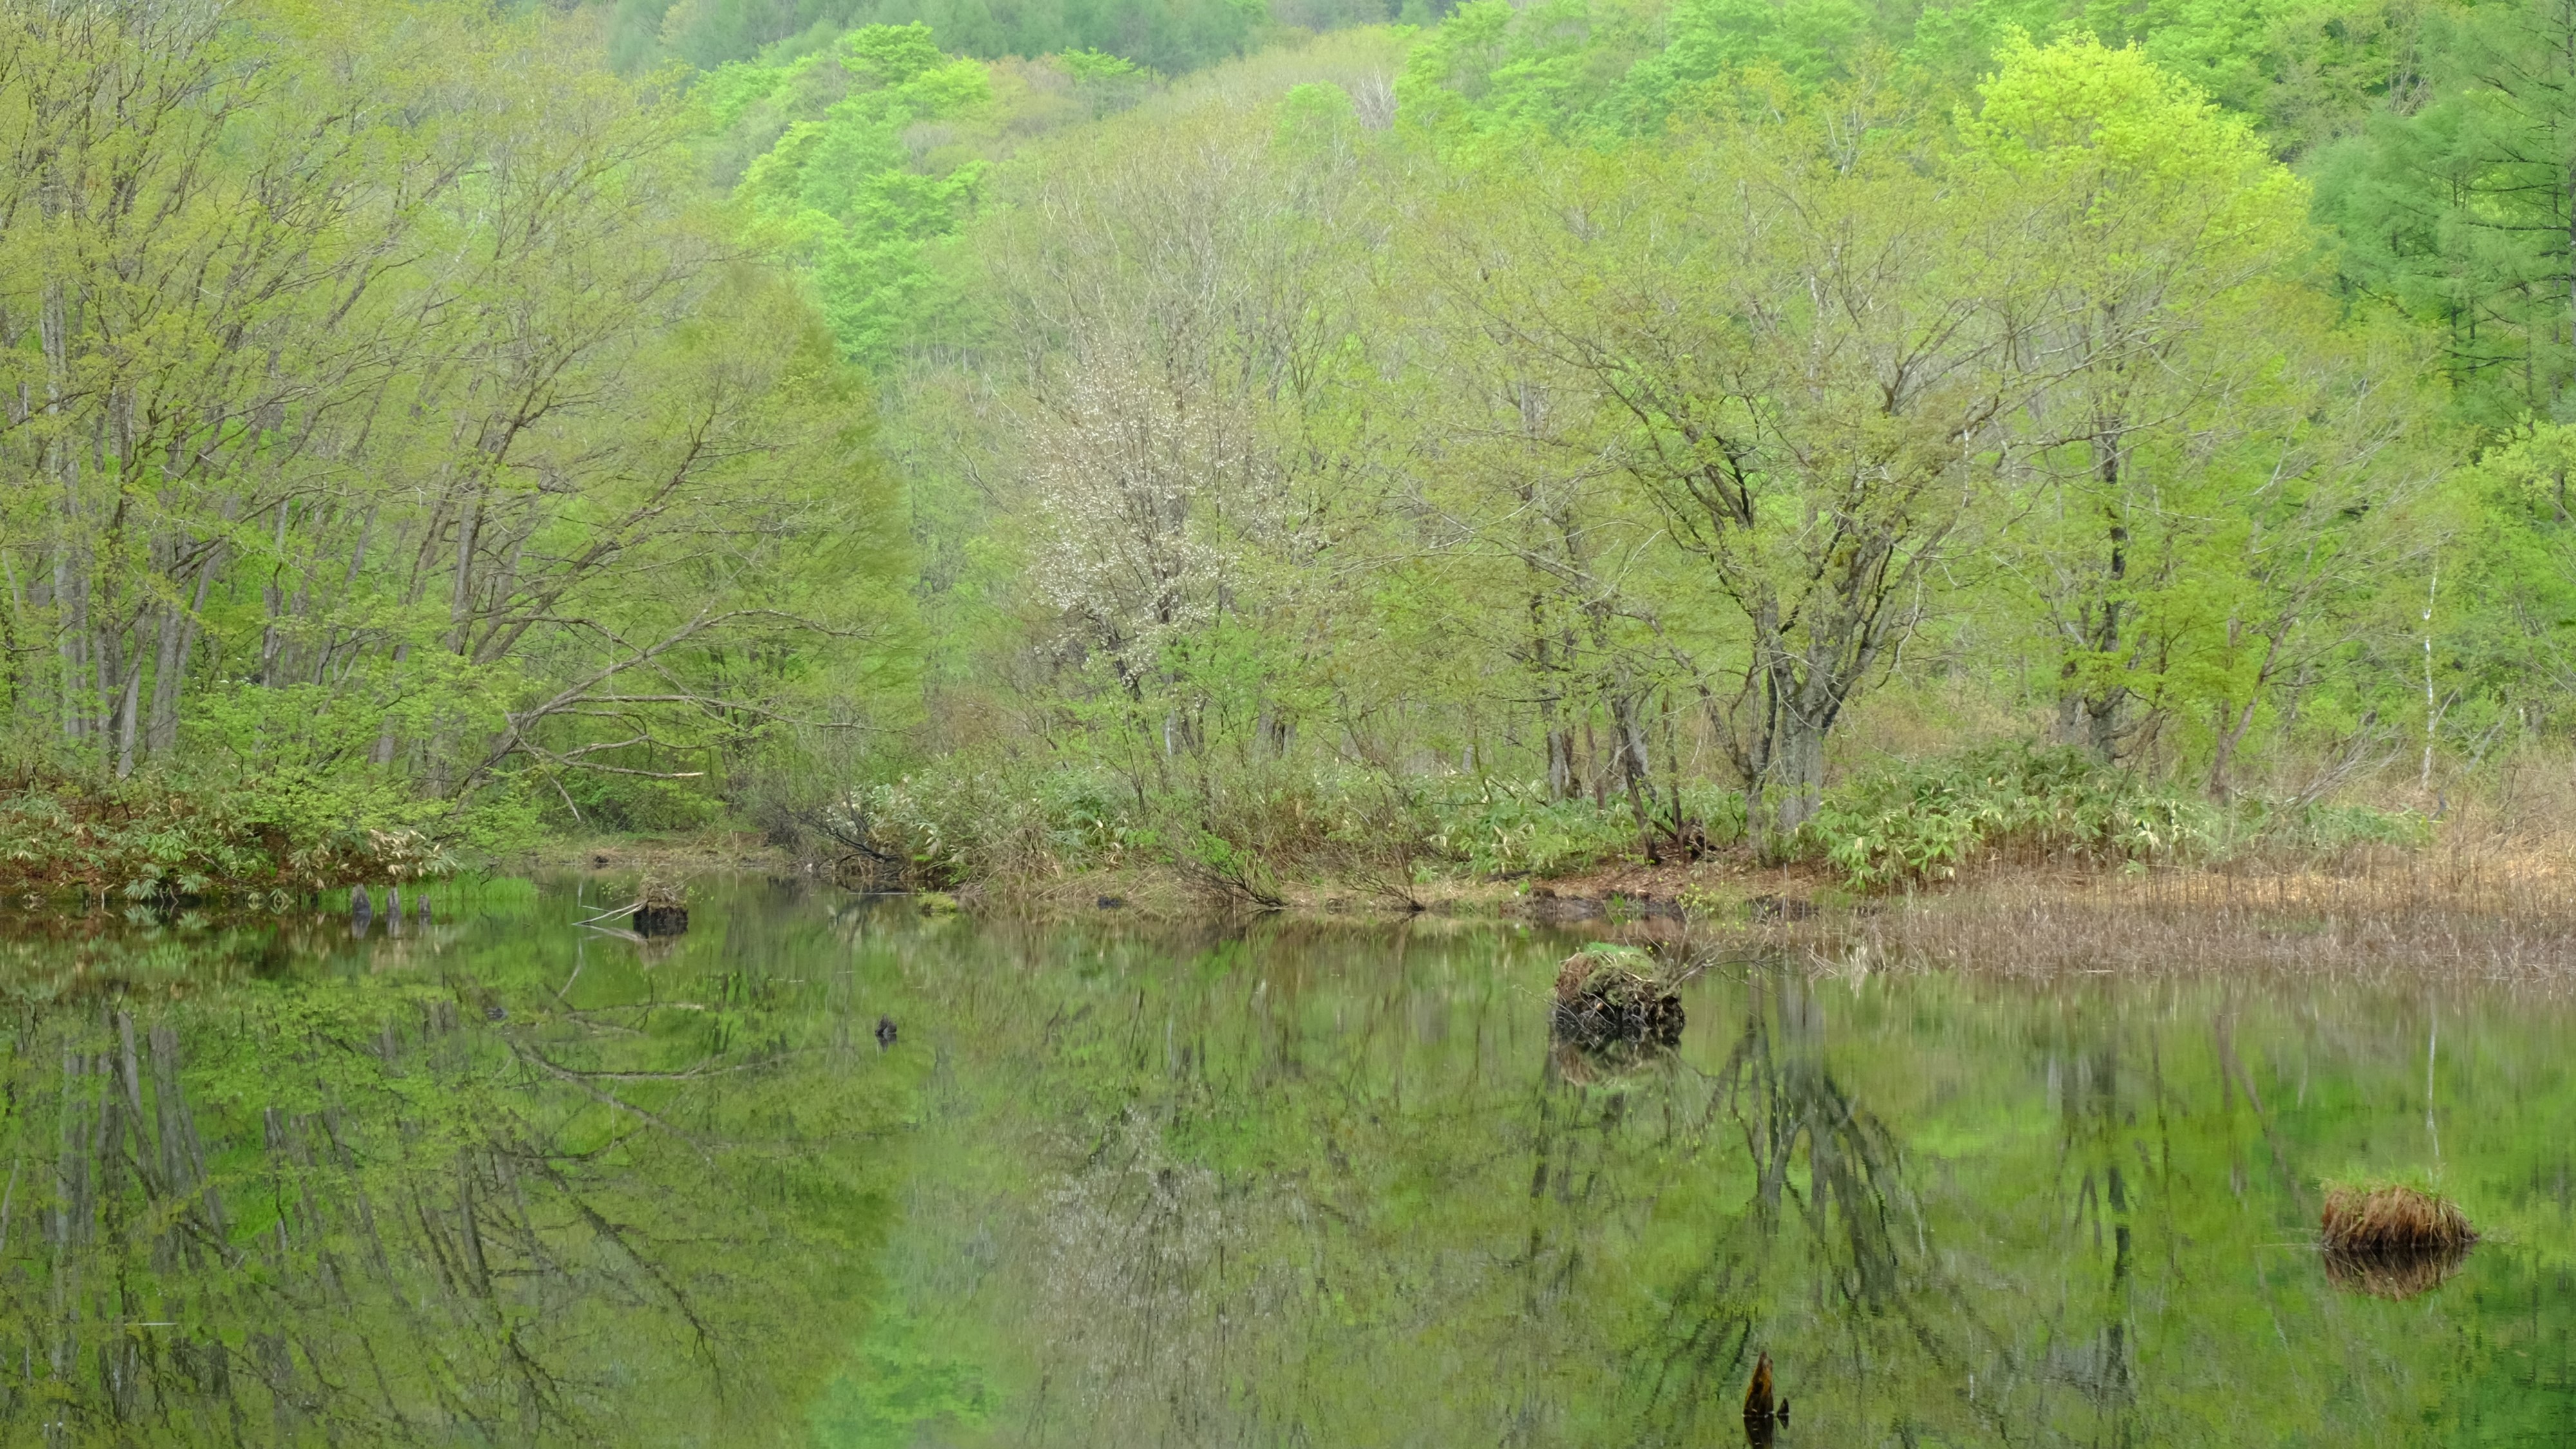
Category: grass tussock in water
<point>2392,1219</point>
<point>2389,1240</point>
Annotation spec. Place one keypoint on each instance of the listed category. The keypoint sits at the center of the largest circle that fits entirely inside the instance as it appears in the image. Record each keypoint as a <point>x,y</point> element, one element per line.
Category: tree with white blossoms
<point>1137,487</point>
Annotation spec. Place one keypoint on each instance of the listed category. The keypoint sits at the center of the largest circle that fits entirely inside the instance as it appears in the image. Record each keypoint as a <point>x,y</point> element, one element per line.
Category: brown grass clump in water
<point>661,908</point>
<point>2393,1221</point>
<point>2393,1242</point>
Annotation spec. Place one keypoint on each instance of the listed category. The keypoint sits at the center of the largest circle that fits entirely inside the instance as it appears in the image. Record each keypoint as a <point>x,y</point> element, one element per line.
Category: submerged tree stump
<point>660,910</point>
<point>1610,996</point>
<point>1761,1414</point>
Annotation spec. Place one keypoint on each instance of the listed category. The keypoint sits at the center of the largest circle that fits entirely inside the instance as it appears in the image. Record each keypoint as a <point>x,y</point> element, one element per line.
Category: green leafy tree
<point>477,453</point>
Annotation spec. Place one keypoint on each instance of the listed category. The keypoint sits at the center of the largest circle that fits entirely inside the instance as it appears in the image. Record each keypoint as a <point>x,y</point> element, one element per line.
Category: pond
<point>830,1170</point>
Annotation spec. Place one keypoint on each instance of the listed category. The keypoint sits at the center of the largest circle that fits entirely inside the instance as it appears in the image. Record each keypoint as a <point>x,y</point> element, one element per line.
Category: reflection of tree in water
<point>375,1216</point>
<point>1816,1245</point>
<point>1135,1293</point>
<point>1777,1093</point>
<point>2094,1352</point>
<point>1281,1206</point>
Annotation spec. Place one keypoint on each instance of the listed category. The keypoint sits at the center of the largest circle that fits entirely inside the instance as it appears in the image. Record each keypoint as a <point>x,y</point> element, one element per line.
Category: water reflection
<point>466,1184</point>
<point>1328,1187</point>
<point>500,1180</point>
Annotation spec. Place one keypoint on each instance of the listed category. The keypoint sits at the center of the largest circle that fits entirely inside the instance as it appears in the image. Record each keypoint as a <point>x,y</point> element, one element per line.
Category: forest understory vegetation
<point>1257,457</point>
<point>1994,830</point>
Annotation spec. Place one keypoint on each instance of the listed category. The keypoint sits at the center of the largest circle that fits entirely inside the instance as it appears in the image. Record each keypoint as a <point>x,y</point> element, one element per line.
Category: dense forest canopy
<point>1059,435</point>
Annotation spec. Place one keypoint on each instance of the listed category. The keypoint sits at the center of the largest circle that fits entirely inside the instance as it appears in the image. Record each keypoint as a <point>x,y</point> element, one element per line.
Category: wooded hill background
<point>998,441</point>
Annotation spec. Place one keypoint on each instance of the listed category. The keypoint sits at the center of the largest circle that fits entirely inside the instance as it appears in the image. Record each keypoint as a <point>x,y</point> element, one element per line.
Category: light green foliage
<point>1596,418</point>
<point>851,207</point>
<point>2240,462</point>
<point>478,455</point>
<point>1925,822</point>
<point>1606,400</point>
<point>2307,71</point>
<point>1499,68</point>
<point>1165,35</point>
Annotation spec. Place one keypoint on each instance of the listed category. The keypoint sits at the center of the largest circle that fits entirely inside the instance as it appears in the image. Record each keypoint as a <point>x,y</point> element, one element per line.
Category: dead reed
<point>2501,915</point>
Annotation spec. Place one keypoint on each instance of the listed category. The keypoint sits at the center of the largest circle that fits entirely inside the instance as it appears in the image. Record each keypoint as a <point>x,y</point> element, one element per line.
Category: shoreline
<point>2503,911</point>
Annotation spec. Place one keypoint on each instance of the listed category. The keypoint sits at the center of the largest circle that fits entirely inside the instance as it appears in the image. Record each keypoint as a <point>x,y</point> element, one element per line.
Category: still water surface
<point>502,1180</point>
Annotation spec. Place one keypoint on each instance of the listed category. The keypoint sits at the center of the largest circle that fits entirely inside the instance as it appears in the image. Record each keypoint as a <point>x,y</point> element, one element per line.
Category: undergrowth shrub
<point>1234,831</point>
<point>157,836</point>
<point>1239,831</point>
<point>952,823</point>
<point>1511,832</point>
<point>1923,822</point>
<point>2317,830</point>
<point>1507,830</point>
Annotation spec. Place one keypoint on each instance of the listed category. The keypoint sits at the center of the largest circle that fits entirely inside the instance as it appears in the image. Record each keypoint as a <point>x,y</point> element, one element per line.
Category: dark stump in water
<point>660,920</point>
<point>1761,1414</point>
<point>1606,996</point>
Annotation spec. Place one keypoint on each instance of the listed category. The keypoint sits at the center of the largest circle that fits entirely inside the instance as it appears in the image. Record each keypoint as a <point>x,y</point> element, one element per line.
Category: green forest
<point>987,444</point>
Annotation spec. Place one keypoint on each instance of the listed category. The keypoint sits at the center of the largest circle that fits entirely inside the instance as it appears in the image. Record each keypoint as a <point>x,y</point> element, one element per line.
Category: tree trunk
<point>1790,786</point>
<point>128,705</point>
<point>1560,760</point>
<point>170,672</point>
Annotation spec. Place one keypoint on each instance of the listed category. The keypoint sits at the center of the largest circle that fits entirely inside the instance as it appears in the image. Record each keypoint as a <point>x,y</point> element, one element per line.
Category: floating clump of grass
<point>2393,1241</point>
<point>2393,1219</point>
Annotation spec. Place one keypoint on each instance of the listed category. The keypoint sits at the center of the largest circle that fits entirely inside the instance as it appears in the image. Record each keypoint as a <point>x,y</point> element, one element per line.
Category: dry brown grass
<point>2392,1241</point>
<point>2503,911</point>
<point>2392,1220</point>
